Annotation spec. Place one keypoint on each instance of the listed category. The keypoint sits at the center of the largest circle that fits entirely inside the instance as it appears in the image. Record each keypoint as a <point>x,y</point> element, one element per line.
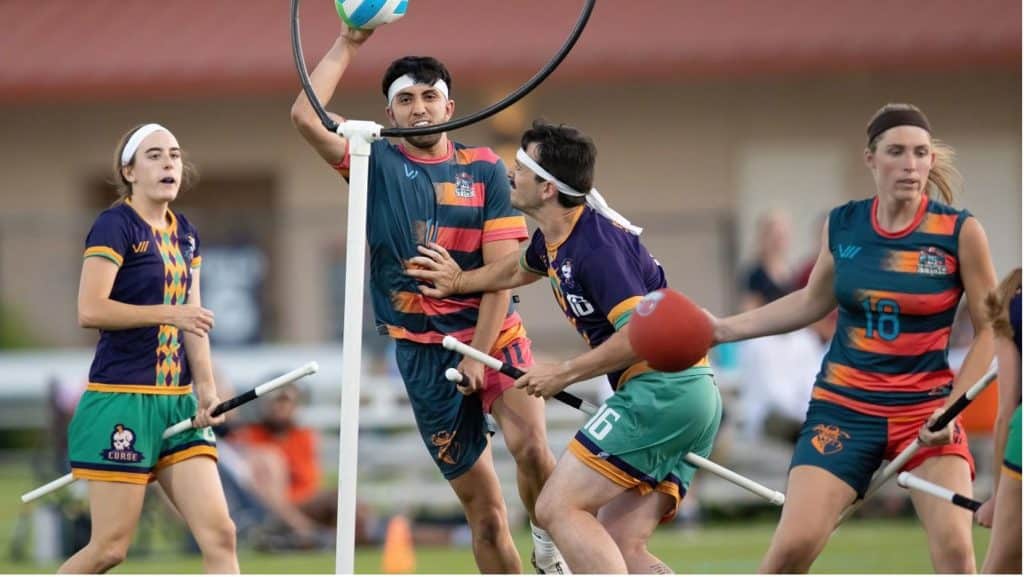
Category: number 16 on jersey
<point>602,422</point>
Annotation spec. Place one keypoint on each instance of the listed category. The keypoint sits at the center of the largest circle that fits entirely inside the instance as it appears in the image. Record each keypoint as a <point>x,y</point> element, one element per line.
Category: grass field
<point>888,546</point>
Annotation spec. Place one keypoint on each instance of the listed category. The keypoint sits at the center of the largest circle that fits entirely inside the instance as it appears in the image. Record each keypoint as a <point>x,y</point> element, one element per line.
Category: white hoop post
<point>360,135</point>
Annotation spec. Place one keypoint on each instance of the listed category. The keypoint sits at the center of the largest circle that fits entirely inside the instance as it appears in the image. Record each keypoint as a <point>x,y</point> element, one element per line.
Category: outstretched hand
<point>354,36</point>
<point>437,267</point>
<point>716,327</point>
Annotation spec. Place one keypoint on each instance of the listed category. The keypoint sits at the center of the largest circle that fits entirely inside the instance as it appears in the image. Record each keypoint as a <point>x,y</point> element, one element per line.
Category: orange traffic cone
<point>399,556</point>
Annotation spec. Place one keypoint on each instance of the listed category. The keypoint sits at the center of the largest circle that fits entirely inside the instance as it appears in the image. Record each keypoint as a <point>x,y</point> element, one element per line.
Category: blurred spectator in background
<point>770,277</point>
<point>283,464</point>
<point>776,371</point>
<point>803,270</point>
<point>775,377</point>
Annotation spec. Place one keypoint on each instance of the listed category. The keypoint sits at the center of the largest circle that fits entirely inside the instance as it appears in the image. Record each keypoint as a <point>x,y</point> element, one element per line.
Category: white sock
<point>542,543</point>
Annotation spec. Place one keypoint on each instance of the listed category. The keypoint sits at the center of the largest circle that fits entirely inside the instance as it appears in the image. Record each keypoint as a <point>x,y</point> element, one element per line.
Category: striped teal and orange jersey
<point>462,202</point>
<point>154,267</point>
<point>897,293</point>
<point>598,274</point>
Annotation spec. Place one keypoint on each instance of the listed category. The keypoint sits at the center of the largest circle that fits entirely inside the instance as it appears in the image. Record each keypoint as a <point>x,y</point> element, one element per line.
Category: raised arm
<point>438,267</point>
<point>793,311</point>
<point>324,79</point>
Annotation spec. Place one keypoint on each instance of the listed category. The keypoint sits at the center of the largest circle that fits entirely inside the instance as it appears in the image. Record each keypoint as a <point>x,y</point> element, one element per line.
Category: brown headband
<point>891,118</point>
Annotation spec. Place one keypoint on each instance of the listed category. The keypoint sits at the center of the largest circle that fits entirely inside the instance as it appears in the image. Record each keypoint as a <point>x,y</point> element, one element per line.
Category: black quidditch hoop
<point>512,98</point>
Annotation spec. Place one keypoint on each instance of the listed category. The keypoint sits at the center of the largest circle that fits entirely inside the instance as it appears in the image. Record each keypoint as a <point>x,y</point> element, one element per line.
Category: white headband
<point>136,139</point>
<point>406,80</point>
<point>594,198</point>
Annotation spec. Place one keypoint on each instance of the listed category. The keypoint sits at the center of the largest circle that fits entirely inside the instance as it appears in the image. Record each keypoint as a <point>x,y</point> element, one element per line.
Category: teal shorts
<point>119,436</point>
<point>852,445</point>
<point>1012,456</point>
<point>639,437</point>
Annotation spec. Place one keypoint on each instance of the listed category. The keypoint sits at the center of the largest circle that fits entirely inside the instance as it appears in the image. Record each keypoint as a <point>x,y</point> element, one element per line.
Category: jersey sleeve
<point>614,279</point>
<point>501,221</point>
<point>532,257</point>
<point>345,164</point>
<point>108,238</point>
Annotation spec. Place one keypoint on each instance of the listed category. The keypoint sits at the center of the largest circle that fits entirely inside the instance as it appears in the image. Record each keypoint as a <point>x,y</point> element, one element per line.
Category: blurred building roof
<point>101,49</point>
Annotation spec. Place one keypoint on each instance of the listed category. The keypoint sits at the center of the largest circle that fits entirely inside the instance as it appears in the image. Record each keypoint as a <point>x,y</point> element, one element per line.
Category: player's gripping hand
<point>985,513</point>
<point>437,267</point>
<point>192,319</point>
<point>941,437</point>
<point>544,380</point>
<point>472,376</point>
<point>207,402</point>
<point>354,36</point>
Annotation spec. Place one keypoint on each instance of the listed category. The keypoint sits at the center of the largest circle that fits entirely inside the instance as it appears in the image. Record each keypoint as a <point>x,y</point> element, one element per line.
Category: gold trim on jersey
<point>140,389</point>
<point>196,451</point>
<point>105,252</point>
<point>111,476</point>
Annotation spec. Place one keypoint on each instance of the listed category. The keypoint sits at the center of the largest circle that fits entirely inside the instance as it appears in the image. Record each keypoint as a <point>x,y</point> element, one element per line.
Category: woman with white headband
<point>627,461</point>
<point>431,189</point>
<point>140,289</point>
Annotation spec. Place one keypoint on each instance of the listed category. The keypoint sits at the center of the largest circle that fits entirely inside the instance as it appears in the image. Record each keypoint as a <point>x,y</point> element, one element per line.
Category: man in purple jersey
<point>625,470</point>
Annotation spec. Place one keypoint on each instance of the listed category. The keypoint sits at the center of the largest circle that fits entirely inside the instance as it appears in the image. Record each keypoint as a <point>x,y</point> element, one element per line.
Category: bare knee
<point>218,538</point>
<point>110,554</point>
<point>487,524</point>
<point>549,509</point>
<point>531,452</point>
<point>954,555</point>
<point>632,546</point>
<point>794,553</point>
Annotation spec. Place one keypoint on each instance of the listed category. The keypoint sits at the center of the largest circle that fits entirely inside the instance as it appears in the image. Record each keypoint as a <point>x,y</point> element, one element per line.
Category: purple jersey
<point>154,268</point>
<point>598,275</point>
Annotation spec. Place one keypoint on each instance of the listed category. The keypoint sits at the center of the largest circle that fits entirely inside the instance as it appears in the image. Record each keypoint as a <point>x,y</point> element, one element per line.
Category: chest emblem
<point>565,271</point>
<point>464,185</point>
<point>932,261</point>
<point>188,248</point>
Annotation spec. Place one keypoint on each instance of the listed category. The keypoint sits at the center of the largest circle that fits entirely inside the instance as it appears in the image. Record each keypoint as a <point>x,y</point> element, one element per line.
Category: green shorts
<point>118,436</point>
<point>1012,456</point>
<point>639,437</point>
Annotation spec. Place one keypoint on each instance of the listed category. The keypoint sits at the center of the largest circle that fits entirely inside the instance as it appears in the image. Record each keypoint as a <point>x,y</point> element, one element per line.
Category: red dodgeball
<point>669,331</point>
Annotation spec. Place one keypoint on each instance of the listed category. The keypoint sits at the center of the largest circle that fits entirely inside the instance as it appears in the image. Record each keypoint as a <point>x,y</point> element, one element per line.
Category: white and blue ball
<point>369,14</point>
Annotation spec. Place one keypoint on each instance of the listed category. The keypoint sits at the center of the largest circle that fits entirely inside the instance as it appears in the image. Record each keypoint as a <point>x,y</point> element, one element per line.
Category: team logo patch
<point>565,270</point>
<point>932,261</point>
<point>828,440</point>
<point>122,446</point>
<point>188,248</point>
<point>448,451</point>
<point>464,185</point>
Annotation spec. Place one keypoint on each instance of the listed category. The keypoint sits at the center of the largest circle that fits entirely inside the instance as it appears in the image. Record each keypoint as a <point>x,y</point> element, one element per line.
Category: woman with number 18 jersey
<point>897,265</point>
<point>140,289</point>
